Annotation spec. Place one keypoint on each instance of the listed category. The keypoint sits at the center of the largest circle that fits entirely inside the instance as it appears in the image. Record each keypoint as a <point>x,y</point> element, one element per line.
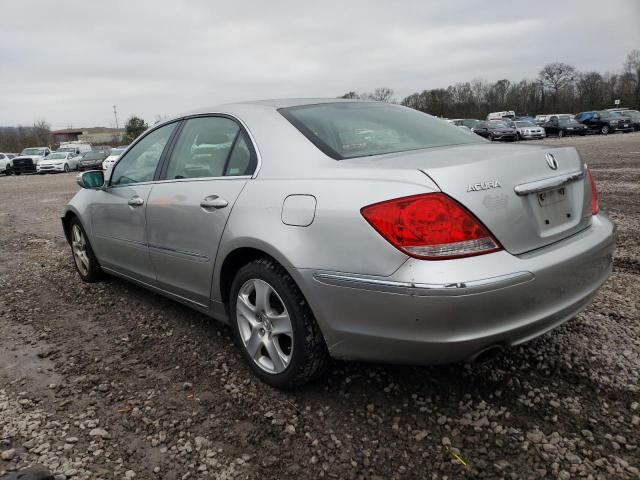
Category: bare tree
<point>557,76</point>
<point>382,94</point>
<point>352,95</point>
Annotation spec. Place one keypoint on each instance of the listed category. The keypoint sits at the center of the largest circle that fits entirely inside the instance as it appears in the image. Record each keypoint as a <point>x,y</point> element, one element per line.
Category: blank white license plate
<point>551,197</point>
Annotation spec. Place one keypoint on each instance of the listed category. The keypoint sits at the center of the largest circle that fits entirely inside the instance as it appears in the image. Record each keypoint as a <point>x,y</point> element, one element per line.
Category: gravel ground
<point>110,381</point>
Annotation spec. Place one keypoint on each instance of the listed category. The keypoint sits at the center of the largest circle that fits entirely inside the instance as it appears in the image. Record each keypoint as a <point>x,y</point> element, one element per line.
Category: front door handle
<point>136,201</point>
<point>213,202</point>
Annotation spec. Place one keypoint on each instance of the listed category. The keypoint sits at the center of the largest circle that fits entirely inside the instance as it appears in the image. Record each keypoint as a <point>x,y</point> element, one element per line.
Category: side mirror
<point>92,179</point>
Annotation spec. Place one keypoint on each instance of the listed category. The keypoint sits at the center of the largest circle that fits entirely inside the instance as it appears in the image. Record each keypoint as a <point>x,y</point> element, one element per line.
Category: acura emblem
<point>551,161</point>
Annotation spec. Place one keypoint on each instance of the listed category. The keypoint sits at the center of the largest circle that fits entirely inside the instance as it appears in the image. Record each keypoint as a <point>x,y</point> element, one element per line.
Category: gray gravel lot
<point>110,381</point>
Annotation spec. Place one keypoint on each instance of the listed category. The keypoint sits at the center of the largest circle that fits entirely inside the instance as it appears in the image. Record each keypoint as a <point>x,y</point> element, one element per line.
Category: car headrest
<point>212,138</point>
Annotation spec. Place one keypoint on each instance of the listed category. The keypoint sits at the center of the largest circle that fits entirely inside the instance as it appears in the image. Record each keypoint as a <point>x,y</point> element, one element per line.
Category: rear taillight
<point>594,193</point>
<point>430,226</point>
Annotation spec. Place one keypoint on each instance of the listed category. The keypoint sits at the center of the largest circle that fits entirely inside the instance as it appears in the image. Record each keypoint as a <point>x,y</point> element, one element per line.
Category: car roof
<point>271,104</point>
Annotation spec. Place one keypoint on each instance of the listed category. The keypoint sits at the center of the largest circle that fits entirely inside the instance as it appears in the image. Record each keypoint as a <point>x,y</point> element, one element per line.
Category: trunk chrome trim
<point>548,183</point>
<point>424,289</point>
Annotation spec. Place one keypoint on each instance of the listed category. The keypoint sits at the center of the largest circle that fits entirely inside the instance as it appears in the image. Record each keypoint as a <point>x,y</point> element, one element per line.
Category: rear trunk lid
<point>513,189</point>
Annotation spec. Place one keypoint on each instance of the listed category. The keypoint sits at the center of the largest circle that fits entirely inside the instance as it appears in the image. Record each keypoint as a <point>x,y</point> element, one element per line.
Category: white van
<point>77,148</point>
<point>501,115</point>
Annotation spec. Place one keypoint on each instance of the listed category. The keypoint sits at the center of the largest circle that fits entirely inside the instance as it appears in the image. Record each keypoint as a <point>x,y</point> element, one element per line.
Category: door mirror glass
<point>92,179</point>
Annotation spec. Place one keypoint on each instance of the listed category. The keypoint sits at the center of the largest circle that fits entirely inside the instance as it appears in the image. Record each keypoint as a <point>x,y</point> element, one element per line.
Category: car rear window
<point>345,130</point>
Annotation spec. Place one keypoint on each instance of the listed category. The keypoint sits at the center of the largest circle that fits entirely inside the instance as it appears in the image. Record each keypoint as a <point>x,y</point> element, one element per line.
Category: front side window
<point>210,147</point>
<point>139,164</point>
<point>357,129</point>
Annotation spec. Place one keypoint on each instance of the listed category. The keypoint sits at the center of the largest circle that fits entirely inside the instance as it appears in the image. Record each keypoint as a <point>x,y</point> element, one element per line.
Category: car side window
<point>139,164</point>
<point>210,147</point>
<point>242,160</point>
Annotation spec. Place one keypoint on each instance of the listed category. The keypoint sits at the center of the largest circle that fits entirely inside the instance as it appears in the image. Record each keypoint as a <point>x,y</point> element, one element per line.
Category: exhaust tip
<point>486,355</point>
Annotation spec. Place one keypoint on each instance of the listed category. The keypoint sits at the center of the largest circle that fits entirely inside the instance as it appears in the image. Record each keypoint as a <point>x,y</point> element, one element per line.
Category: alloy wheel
<point>66,168</point>
<point>79,247</point>
<point>264,325</point>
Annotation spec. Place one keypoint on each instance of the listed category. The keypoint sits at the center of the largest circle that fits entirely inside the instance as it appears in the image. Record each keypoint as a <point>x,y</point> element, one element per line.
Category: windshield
<point>33,151</point>
<point>497,125</point>
<point>67,149</point>
<point>358,129</point>
<point>570,121</point>
<point>53,156</point>
<point>93,156</point>
<point>470,122</point>
<point>525,124</point>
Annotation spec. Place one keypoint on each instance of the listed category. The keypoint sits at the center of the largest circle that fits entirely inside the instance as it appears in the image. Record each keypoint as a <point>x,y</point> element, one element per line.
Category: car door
<point>482,130</point>
<point>118,211</point>
<point>212,160</point>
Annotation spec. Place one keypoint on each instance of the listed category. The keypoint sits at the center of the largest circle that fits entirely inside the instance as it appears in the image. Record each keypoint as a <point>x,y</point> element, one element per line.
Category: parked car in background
<point>93,160</point>
<point>496,131</point>
<point>605,122</point>
<point>466,122</point>
<point>5,164</point>
<point>58,162</point>
<point>564,126</point>
<point>457,247</point>
<point>632,115</point>
<point>77,148</point>
<point>101,147</point>
<point>27,160</point>
<point>113,156</point>
<point>510,114</point>
<point>527,130</point>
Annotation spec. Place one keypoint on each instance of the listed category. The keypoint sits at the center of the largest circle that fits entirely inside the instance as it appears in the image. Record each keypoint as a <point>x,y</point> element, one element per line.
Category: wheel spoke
<point>281,325</point>
<point>254,343</point>
<point>278,362</point>
<point>263,290</point>
<point>247,310</point>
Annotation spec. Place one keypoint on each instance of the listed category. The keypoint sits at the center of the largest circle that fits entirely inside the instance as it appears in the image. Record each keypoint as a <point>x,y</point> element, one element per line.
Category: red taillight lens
<point>594,193</point>
<point>430,226</point>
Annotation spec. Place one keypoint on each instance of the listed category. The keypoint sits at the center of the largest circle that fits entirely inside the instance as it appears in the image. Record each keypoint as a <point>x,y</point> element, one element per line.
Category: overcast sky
<point>69,62</point>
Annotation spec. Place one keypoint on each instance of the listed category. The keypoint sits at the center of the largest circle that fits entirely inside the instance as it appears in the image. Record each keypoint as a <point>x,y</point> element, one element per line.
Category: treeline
<point>559,88</point>
<point>15,139</point>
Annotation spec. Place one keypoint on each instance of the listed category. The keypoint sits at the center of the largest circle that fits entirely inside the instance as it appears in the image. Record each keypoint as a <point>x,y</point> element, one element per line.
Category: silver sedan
<point>322,229</point>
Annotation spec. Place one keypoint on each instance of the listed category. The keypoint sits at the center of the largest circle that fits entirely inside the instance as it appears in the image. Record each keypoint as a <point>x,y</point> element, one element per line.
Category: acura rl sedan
<point>322,229</point>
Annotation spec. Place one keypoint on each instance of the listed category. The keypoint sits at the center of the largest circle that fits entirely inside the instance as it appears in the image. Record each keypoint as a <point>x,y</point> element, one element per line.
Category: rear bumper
<point>447,311</point>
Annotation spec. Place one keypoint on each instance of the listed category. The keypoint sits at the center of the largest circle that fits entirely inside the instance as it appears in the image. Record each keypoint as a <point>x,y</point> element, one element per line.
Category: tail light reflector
<point>430,226</point>
<point>594,193</point>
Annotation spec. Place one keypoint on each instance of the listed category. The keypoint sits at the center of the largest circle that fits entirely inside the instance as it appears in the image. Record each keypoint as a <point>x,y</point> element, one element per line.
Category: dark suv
<point>605,122</point>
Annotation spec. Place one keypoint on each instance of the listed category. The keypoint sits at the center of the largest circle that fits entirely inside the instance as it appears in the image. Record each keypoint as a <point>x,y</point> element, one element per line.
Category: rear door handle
<point>136,201</point>
<point>213,202</point>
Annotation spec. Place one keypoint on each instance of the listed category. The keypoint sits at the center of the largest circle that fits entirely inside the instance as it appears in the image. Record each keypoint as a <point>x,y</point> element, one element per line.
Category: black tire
<point>8,171</point>
<point>66,168</point>
<point>94,272</point>
<point>561,133</point>
<point>518,137</point>
<point>18,173</point>
<point>605,130</point>
<point>309,356</point>
<point>490,137</point>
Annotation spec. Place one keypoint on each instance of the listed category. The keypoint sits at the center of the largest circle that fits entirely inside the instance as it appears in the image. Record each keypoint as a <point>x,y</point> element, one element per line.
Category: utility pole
<point>115,114</point>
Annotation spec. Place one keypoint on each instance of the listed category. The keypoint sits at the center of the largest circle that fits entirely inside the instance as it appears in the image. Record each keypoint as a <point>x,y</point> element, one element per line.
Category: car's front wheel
<point>274,326</point>
<point>561,133</point>
<point>85,260</point>
<point>604,130</point>
<point>66,168</point>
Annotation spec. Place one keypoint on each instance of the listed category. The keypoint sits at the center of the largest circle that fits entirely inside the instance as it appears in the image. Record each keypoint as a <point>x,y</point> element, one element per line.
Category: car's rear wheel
<point>604,130</point>
<point>85,261</point>
<point>274,326</point>
<point>561,133</point>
